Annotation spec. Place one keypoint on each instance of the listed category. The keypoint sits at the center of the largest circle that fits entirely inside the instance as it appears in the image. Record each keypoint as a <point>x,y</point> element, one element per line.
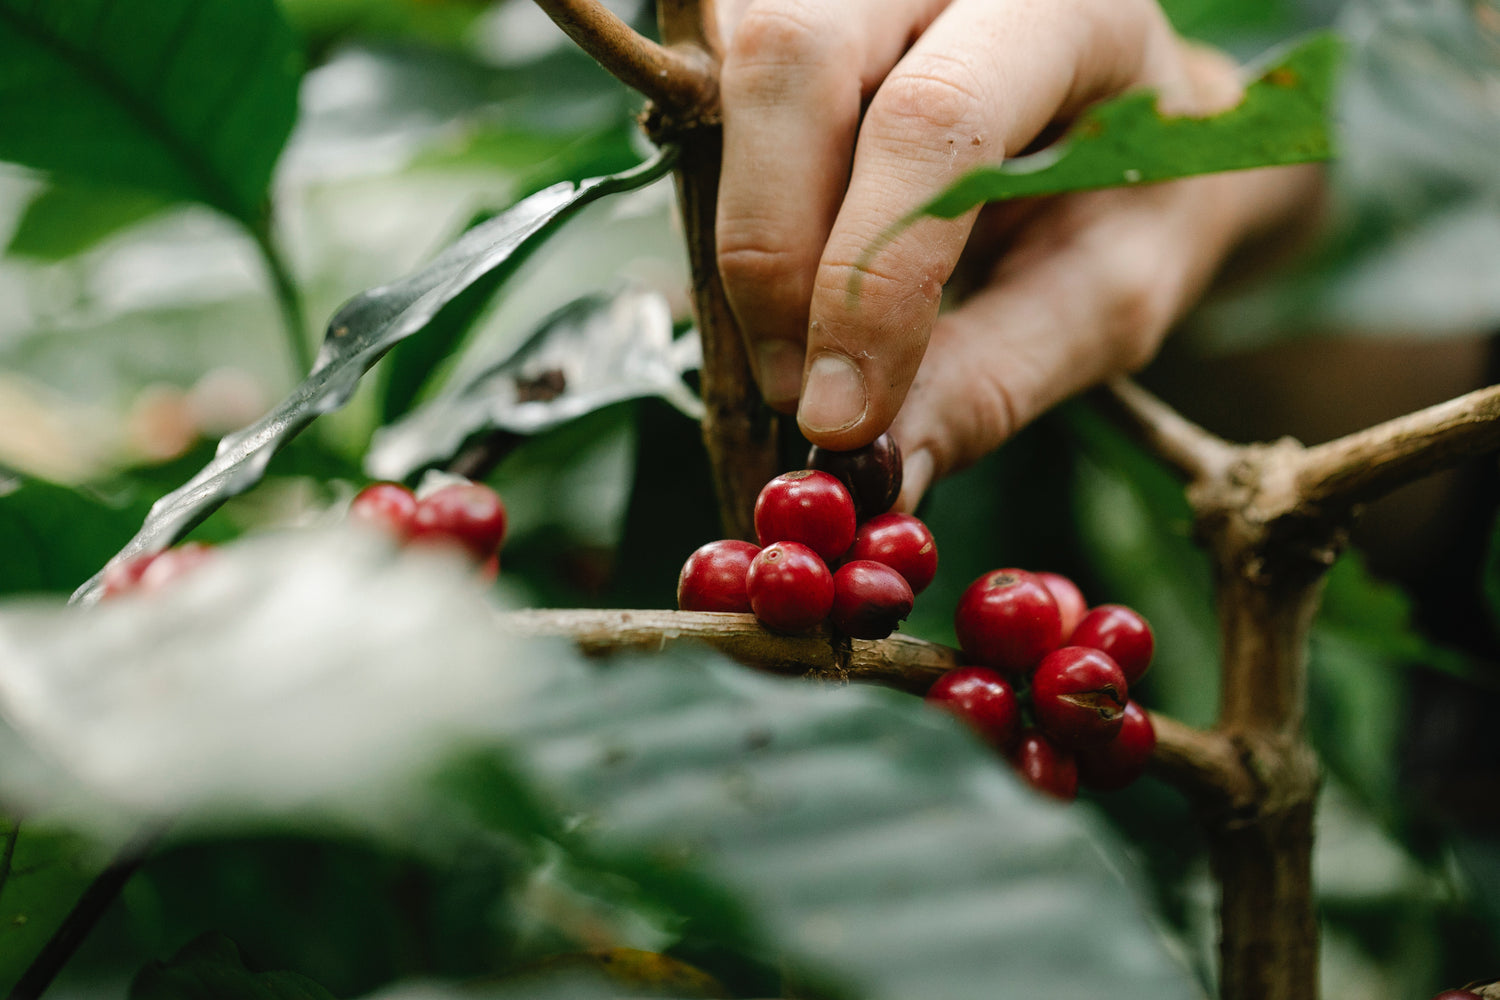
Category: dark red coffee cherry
<point>713,578</point>
<point>903,543</point>
<point>470,515</point>
<point>388,506</point>
<point>1121,632</point>
<point>1079,695</point>
<point>1007,620</point>
<point>1046,767</point>
<point>790,588</point>
<point>983,699</point>
<point>1070,602</point>
<point>809,507</point>
<point>1123,759</point>
<point>871,474</point>
<point>1458,995</point>
<point>869,599</point>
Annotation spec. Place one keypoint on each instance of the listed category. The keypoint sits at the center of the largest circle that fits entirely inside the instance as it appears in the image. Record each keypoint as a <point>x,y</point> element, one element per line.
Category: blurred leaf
<point>869,842</point>
<point>179,98</point>
<point>68,218</point>
<point>1370,613</point>
<point>210,968</point>
<point>591,353</point>
<point>851,836</point>
<point>1283,118</point>
<point>51,537</point>
<point>364,329</point>
<point>42,873</point>
<point>1218,19</point>
<point>1135,521</point>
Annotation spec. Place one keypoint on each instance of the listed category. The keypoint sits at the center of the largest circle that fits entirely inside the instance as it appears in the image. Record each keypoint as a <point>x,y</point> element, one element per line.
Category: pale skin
<point>840,116</point>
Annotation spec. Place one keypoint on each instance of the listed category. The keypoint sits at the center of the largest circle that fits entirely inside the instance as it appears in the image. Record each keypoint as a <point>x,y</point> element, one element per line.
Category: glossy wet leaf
<point>180,98</point>
<point>1283,119</point>
<point>362,331</point>
<point>594,352</point>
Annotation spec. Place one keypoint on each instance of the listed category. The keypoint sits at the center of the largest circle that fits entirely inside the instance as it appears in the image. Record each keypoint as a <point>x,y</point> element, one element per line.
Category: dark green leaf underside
<point>180,98</point>
<point>360,333</point>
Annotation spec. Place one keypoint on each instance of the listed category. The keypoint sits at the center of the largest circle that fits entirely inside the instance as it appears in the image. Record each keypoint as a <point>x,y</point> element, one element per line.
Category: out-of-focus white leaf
<point>287,670</point>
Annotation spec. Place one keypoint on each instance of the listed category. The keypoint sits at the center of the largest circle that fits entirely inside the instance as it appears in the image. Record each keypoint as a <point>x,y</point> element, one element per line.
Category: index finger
<point>982,81</point>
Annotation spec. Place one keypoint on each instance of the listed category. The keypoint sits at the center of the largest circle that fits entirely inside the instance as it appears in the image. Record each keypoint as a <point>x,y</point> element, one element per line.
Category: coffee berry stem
<point>1206,766</point>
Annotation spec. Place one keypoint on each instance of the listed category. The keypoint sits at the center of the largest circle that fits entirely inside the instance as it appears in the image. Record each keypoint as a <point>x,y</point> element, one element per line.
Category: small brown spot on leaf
<point>541,388</point>
<point>1281,76</point>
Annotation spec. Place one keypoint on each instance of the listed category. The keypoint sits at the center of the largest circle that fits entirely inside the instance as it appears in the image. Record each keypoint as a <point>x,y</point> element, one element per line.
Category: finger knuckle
<point>778,34</point>
<point>914,105</point>
<point>756,265</point>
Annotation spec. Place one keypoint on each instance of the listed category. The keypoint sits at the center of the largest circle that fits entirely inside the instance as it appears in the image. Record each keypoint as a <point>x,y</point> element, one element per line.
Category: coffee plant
<point>352,669</point>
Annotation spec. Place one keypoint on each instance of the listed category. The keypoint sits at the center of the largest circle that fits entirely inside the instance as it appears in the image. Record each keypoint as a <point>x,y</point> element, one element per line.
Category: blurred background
<point>137,326</point>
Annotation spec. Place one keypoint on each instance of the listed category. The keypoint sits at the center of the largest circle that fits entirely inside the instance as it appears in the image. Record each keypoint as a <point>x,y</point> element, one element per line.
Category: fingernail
<point>778,369</point>
<point>834,398</point>
<point>916,477</point>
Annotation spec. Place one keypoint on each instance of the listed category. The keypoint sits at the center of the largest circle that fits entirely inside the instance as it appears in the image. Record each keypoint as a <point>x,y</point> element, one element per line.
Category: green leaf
<point>42,874</point>
<point>210,968</point>
<point>52,536</point>
<point>68,218</point>
<point>180,98</point>
<point>359,334</point>
<point>1282,119</point>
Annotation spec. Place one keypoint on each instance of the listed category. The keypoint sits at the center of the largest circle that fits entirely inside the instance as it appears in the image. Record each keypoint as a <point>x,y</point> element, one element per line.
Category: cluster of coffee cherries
<point>1050,688</point>
<point>830,550</point>
<point>461,514</point>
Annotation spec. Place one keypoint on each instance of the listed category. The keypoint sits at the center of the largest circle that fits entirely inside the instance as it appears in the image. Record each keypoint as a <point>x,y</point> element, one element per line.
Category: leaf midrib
<point>200,171</point>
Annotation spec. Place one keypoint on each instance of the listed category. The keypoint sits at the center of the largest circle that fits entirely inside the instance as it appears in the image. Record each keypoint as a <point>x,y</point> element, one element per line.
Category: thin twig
<point>288,301</point>
<point>8,855</point>
<point>1206,766</point>
<point>1194,452</point>
<point>682,80</point>
<point>1373,462</point>
<point>96,899</point>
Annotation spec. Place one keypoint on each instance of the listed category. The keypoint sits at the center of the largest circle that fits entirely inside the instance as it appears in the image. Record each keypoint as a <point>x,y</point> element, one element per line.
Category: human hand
<point>1074,289</point>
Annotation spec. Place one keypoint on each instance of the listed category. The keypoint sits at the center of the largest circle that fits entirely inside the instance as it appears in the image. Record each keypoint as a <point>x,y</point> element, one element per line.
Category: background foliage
<point>672,819</point>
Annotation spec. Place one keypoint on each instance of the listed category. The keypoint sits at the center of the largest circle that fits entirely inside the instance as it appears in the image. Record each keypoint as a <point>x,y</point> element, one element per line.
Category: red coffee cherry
<point>1045,766</point>
<point>790,588</point>
<point>1458,995</point>
<point>1007,620</point>
<point>123,577</point>
<point>1079,696</point>
<point>809,507</point>
<point>1070,602</point>
<point>983,699</point>
<point>1121,632</point>
<point>470,515</point>
<point>871,474</point>
<point>903,543</point>
<point>869,599</point>
<point>1123,759</point>
<point>389,506</point>
<point>713,578</point>
<point>172,564</point>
